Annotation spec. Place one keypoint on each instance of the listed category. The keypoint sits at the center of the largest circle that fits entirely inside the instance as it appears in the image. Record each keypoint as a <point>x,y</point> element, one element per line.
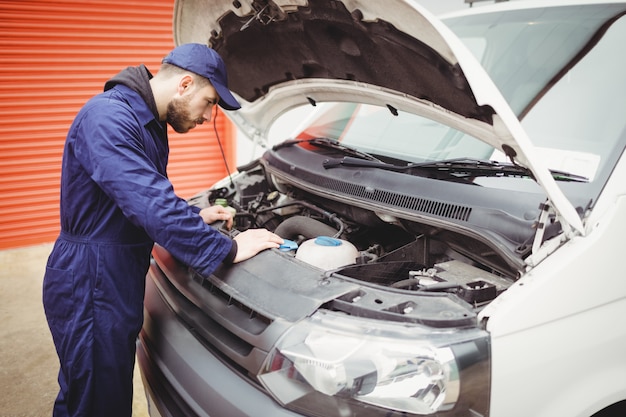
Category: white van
<point>453,208</point>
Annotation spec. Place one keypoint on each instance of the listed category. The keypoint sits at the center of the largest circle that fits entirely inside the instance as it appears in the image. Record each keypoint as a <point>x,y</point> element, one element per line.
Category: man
<point>116,201</point>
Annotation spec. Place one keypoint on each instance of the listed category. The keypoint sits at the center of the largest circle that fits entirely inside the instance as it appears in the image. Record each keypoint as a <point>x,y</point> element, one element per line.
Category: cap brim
<point>227,100</point>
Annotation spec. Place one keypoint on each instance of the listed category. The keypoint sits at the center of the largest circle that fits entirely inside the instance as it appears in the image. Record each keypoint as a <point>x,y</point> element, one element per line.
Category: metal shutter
<point>54,56</point>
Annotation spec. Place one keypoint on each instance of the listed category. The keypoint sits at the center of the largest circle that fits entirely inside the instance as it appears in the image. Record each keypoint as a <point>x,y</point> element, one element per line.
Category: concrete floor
<point>28,361</point>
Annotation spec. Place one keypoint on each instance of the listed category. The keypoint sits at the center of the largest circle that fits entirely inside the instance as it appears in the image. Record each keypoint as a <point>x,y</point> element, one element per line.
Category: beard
<point>178,115</point>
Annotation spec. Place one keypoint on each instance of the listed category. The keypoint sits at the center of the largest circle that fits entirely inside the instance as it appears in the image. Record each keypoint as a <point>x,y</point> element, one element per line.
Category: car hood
<point>285,53</point>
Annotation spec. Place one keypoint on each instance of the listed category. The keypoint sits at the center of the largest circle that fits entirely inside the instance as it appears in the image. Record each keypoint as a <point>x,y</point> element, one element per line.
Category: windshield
<point>561,72</point>
<point>398,135</point>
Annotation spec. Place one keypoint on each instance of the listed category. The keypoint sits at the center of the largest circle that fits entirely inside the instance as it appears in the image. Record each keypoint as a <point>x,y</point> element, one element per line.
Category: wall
<point>53,57</point>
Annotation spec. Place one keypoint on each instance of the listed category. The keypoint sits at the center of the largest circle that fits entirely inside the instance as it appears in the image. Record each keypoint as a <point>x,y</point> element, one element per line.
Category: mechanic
<point>116,201</point>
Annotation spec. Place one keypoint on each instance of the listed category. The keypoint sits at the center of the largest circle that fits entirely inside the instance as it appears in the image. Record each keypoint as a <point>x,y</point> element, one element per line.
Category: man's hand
<point>216,213</point>
<point>253,241</point>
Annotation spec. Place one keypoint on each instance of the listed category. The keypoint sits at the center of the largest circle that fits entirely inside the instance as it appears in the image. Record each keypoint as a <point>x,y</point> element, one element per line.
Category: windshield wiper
<point>330,144</point>
<point>456,168</point>
<point>347,161</point>
<point>567,176</point>
<point>475,167</point>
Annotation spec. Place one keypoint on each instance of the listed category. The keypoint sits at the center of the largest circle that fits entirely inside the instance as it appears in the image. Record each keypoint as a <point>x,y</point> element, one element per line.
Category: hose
<point>297,226</point>
<point>330,216</point>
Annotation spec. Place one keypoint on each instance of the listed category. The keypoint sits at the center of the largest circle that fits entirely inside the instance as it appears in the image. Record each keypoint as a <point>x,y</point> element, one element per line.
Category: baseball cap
<point>204,61</point>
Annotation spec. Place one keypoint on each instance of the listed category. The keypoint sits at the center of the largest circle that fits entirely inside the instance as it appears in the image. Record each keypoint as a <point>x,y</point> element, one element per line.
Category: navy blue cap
<point>204,61</point>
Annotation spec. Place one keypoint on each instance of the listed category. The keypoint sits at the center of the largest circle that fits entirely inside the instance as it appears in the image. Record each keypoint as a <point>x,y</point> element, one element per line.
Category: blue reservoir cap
<point>327,241</point>
<point>288,245</point>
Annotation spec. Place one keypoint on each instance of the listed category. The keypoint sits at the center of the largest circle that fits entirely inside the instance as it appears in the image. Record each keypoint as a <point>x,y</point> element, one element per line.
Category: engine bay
<point>357,244</point>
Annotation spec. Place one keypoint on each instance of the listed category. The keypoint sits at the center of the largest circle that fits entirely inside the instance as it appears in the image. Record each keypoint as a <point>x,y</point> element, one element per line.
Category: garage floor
<point>28,362</point>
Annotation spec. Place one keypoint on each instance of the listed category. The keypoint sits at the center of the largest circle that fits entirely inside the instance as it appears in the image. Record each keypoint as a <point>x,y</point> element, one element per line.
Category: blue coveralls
<point>116,201</point>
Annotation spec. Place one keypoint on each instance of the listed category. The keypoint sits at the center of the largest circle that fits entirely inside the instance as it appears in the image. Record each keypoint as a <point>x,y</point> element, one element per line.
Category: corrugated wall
<point>53,57</point>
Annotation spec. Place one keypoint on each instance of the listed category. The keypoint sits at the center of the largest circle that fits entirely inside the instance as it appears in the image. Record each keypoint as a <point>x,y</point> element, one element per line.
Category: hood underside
<point>322,39</point>
<point>266,44</point>
<point>285,53</point>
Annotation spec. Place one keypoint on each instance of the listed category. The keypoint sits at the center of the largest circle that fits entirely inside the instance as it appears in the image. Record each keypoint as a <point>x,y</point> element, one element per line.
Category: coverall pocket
<point>58,290</point>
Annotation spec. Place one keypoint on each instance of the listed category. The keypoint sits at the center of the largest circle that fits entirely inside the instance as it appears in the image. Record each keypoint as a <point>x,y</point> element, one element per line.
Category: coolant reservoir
<point>327,252</point>
<point>224,203</point>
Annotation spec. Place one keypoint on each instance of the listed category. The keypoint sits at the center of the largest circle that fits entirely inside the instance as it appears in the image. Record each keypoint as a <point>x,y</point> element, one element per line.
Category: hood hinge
<point>541,249</point>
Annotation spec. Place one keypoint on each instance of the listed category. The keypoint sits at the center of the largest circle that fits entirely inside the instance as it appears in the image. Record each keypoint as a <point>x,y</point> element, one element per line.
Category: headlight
<point>336,365</point>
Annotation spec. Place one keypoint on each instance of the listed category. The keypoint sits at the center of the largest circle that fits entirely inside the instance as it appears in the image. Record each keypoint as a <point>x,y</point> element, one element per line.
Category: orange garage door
<point>53,57</point>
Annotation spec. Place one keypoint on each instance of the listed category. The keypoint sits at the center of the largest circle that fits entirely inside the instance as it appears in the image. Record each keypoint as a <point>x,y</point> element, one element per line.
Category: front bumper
<point>183,378</point>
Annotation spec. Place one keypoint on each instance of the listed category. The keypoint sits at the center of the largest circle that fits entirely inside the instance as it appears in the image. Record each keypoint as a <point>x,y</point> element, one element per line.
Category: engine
<point>357,243</point>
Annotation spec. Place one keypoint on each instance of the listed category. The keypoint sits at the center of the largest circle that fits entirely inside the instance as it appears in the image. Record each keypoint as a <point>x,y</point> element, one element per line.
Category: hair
<point>169,69</point>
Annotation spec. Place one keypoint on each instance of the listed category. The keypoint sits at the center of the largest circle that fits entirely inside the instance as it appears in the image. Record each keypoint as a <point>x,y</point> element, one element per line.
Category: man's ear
<point>185,84</point>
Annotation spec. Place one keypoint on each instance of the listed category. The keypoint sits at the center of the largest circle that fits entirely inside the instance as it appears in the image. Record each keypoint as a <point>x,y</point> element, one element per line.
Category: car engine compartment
<point>357,244</point>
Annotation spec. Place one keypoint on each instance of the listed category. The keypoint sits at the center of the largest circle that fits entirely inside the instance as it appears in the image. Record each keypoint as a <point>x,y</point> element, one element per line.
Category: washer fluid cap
<point>327,241</point>
<point>288,245</point>
<point>327,253</point>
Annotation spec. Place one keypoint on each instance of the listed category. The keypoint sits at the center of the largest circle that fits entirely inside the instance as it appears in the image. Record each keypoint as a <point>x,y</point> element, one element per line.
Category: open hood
<point>284,53</point>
